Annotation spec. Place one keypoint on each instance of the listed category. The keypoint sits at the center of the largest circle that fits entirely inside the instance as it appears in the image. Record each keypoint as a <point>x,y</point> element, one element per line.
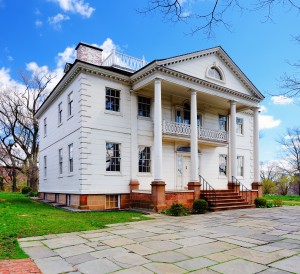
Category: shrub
<point>278,202</point>
<point>26,190</point>
<point>200,206</point>
<point>32,194</point>
<point>176,210</point>
<point>260,202</point>
<point>270,204</point>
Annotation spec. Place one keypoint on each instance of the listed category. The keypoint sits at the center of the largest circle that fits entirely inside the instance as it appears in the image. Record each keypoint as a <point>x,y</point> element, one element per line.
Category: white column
<point>256,145</point>
<point>194,139</point>
<point>134,145</point>
<point>157,131</point>
<point>232,140</point>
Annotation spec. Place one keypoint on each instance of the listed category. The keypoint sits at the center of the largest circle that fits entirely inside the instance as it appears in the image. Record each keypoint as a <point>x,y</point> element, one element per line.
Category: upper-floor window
<point>239,125</point>
<point>223,164</point>
<point>240,166</point>
<point>113,157</point>
<point>71,159</point>
<point>144,106</point>
<point>59,113</point>
<point>112,99</point>
<point>45,166</point>
<point>183,115</point>
<point>222,122</point>
<point>144,159</point>
<point>45,127</point>
<point>70,104</point>
<point>215,73</point>
<point>60,160</point>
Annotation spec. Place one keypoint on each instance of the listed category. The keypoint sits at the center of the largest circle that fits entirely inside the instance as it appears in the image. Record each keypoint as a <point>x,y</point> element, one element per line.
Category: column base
<point>158,195</point>
<point>196,186</point>
<point>258,186</point>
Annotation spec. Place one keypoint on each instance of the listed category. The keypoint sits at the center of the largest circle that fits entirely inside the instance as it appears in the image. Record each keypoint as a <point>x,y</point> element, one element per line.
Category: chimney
<point>89,54</point>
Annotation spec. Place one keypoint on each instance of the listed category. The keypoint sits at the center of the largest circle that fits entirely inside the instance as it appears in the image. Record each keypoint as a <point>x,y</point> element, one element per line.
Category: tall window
<point>240,166</point>
<point>143,106</point>
<point>45,127</point>
<point>239,126</point>
<point>223,122</point>
<point>112,99</point>
<point>215,73</point>
<point>71,160</point>
<point>70,104</point>
<point>144,159</point>
<point>113,157</point>
<point>59,113</point>
<point>60,160</point>
<point>45,166</point>
<point>223,164</point>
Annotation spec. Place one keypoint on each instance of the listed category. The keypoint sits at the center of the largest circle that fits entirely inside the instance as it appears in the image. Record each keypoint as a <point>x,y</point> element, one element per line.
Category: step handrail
<point>207,187</point>
<point>243,191</point>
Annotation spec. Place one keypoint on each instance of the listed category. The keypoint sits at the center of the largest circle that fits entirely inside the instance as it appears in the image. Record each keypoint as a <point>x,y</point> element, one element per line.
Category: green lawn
<point>290,200</point>
<point>23,217</point>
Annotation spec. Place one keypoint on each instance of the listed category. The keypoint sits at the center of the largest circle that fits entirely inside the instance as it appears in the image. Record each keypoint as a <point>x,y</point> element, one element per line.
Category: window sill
<point>70,175</point>
<point>60,177</point>
<point>111,112</point>
<point>70,117</point>
<point>113,173</point>
<point>61,124</point>
<point>145,118</point>
<point>240,134</point>
<point>144,174</point>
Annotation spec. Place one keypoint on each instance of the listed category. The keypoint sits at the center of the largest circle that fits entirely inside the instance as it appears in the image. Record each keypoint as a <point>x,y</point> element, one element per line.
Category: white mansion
<point>119,126</point>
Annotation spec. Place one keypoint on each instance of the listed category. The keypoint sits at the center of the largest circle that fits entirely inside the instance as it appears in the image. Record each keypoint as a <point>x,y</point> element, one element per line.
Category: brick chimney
<point>89,54</point>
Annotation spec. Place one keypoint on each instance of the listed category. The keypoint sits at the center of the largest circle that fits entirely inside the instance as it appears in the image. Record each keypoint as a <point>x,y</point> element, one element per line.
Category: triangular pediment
<point>198,64</point>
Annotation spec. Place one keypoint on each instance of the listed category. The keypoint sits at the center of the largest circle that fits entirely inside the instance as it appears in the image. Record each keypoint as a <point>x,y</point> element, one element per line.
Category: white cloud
<point>108,46</point>
<point>67,56</point>
<point>56,20</point>
<point>263,109</point>
<point>267,122</point>
<point>281,100</point>
<point>6,82</point>
<point>38,23</point>
<point>76,6</point>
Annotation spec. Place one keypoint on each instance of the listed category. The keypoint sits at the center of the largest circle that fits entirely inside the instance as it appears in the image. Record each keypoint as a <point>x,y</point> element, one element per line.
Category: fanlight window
<point>215,73</point>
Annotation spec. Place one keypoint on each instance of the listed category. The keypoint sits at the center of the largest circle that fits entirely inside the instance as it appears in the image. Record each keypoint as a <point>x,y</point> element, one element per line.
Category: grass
<point>289,200</point>
<point>22,217</point>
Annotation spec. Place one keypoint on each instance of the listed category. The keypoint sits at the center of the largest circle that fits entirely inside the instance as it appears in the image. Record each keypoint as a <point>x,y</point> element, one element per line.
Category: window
<point>239,125</point>
<point>223,164</point>
<point>215,73</point>
<point>223,122</point>
<point>70,104</point>
<point>71,161</point>
<point>144,159</point>
<point>112,99</point>
<point>143,106</point>
<point>45,166</point>
<point>45,127</point>
<point>59,113</point>
<point>240,166</point>
<point>60,160</point>
<point>113,157</point>
<point>111,201</point>
<point>199,120</point>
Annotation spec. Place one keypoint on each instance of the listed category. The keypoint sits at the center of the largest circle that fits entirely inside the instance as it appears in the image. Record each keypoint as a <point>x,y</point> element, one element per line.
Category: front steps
<point>225,200</point>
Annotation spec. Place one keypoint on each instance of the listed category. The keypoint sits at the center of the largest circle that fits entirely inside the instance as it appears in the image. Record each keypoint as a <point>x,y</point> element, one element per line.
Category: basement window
<point>112,201</point>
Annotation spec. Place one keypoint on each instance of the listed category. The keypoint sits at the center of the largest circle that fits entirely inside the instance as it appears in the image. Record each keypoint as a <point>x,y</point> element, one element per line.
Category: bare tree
<point>17,109</point>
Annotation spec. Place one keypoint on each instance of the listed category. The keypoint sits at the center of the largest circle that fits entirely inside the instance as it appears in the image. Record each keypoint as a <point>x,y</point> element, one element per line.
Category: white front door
<point>183,171</point>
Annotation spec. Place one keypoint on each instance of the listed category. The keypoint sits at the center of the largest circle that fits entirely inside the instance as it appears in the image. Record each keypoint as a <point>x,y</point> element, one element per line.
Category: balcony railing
<point>173,128</point>
<point>121,60</point>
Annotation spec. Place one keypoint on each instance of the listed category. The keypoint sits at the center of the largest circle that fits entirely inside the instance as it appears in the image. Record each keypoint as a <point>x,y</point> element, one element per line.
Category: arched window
<point>215,73</point>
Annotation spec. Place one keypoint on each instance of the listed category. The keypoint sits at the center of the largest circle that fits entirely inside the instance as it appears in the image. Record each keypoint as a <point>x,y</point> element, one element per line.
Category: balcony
<point>123,61</point>
<point>184,130</point>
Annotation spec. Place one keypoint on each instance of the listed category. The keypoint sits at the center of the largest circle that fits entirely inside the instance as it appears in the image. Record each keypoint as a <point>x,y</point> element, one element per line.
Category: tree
<point>269,187</point>
<point>19,128</point>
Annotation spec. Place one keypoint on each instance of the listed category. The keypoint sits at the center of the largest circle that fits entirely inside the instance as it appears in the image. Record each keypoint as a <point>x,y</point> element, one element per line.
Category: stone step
<point>231,203</point>
<point>221,208</point>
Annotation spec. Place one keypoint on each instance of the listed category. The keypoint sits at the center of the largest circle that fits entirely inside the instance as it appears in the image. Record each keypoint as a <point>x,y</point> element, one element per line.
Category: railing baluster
<point>206,187</point>
<point>243,191</point>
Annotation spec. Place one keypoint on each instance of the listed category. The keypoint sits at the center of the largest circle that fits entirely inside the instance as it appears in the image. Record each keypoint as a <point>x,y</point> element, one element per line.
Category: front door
<point>183,171</point>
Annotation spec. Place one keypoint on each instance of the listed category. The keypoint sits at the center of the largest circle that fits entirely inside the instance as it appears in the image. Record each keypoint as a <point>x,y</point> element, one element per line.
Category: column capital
<point>256,109</point>
<point>232,102</point>
<point>157,79</point>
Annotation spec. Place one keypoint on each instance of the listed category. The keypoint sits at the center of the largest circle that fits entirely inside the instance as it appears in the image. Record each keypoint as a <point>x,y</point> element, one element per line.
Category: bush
<point>260,202</point>
<point>32,194</point>
<point>278,202</point>
<point>270,204</point>
<point>200,206</point>
<point>176,210</point>
<point>26,190</point>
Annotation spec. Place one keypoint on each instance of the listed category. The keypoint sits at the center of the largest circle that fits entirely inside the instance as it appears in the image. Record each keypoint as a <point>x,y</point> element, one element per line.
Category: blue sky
<point>42,34</point>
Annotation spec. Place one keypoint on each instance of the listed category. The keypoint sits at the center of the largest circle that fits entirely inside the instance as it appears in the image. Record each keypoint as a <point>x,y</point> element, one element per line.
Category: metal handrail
<point>208,190</point>
<point>243,191</point>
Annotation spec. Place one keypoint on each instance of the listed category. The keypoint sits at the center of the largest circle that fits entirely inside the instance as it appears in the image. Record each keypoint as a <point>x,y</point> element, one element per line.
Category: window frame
<point>114,101</point>
<point>144,168</point>
<point>144,106</point>
<point>70,104</point>
<point>223,171</point>
<point>60,113</point>
<point>60,161</point>
<point>220,120</point>
<point>45,126</point>
<point>240,169</point>
<point>45,166</point>
<point>115,158</point>
<point>239,126</point>
<point>109,202</point>
<point>71,157</point>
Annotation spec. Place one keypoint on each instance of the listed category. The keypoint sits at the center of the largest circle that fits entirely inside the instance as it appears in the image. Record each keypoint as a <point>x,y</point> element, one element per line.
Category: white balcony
<point>180,129</point>
<point>123,61</point>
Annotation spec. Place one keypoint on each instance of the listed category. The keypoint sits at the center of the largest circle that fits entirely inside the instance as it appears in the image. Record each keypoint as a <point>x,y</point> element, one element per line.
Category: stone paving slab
<point>240,241</point>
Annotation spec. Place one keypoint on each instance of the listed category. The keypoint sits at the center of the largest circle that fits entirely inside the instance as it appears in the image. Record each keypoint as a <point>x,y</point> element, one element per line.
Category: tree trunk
<point>14,180</point>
